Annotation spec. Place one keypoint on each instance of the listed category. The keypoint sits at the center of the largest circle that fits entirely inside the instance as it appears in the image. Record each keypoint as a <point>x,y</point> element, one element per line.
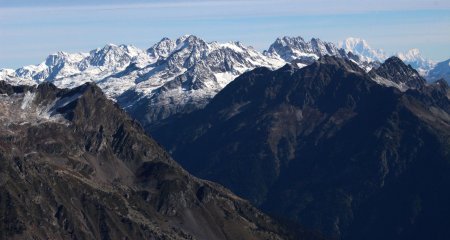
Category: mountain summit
<point>361,47</point>
<point>292,48</point>
<point>328,147</point>
<point>412,57</point>
<point>172,76</point>
<point>75,166</point>
<point>182,75</point>
<point>394,72</point>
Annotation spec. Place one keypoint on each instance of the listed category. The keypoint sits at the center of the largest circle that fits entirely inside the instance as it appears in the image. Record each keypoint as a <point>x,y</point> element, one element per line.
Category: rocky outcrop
<point>75,166</point>
<point>328,147</point>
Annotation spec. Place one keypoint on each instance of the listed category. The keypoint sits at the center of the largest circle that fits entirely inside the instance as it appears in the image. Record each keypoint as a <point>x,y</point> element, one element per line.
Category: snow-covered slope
<point>361,47</point>
<point>292,48</point>
<point>301,53</point>
<point>187,74</point>
<point>414,58</point>
<point>171,76</point>
<point>68,70</point>
<point>178,76</point>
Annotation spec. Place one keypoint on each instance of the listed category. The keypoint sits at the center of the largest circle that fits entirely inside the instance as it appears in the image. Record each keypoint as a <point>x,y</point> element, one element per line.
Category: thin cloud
<point>85,24</point>
<point>248,7</point>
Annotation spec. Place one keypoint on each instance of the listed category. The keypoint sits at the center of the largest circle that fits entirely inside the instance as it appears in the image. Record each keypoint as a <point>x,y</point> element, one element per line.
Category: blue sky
<point>32,29</point>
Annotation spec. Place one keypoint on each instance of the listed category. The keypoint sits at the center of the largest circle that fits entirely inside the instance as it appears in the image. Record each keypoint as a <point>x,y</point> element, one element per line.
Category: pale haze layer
<point>30,30</point>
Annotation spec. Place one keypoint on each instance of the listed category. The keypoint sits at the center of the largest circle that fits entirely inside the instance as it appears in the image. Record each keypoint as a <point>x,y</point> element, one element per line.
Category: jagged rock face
<point>394,71</point>
<point>292,48</point>
<point>171,77</point>
<point>68,70</point>
<point>178,76</point>
<point>191,74</point>
<point>74,166</point>
<point>162,49</point>
<point>302,53</point>
<point>328,147</point>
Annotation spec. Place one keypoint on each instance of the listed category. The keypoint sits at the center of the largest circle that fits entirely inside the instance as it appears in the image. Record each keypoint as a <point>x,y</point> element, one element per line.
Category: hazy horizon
<point>31,32</point>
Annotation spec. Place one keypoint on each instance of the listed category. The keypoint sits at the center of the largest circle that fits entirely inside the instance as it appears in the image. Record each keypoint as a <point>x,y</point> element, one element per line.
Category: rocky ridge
<point>75,166</point>
<point>328,147</point>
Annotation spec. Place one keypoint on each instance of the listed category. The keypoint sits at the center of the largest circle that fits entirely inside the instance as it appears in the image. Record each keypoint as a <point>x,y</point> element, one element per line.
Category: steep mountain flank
<point>75,166</point>
<point>327,146</point>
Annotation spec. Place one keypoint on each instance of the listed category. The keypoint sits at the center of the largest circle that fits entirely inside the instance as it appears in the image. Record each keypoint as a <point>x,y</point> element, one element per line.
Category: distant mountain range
<point>182,75</point>
<point>412,57</point>
<point>361,47</point>
<point>440,71</point>
<point>354,155</point>
<point>343,140</point>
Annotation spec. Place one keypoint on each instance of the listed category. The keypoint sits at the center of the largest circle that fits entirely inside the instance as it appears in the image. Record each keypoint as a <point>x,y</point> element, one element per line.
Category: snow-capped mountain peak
<point>301,53</point>
<point>63,57</point>
<point>172,75</point>
<point>410,55</point>
<point>162,49</point>
<point>116,57</point>
<point>177,76</point>
<point>360,47</point>
<point>292,48</point>
<point>73,69</point>
<point>417,61</point>
<point>354,43</point>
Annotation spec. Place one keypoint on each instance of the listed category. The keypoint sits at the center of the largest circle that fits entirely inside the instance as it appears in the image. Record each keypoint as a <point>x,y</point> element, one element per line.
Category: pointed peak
<point>56,58</point>
<point>105,48</point>
<point>410,55</point>
<point>392,60</point>
<point>162,48</point>
<point>88,87</point>
<point>288,40</point>
<point>396,71</point>
<point>188,38</point>
<point>394,63</point>
<point>59,54</point>
<point>110,45</point>
<point>46,91</point>
<point>238,43</point>
<point>46,88</point>
<point>44,85</point>
<point>165,39</point>
<point>163,42</point>
<point>189,41</point>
